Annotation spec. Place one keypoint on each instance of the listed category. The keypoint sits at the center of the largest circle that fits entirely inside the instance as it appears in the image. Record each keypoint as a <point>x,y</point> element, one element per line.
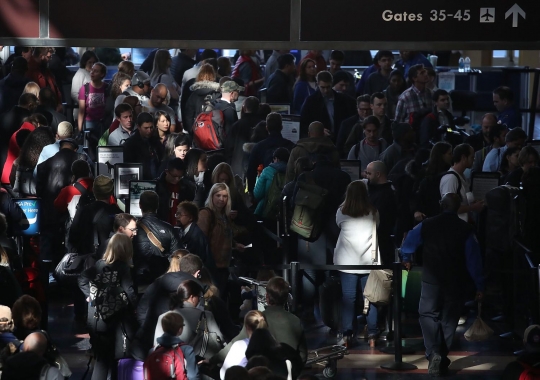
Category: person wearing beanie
<point>402,146</point>
<point>64,131</point>
<point>341,82</point>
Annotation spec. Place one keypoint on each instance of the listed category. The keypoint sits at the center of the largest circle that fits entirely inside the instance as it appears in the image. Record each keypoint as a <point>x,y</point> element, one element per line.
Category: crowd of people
<point>168,280</point>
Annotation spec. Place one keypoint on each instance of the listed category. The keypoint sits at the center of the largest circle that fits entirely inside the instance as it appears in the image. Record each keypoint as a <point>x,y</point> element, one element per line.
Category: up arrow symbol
<point>515,12</point>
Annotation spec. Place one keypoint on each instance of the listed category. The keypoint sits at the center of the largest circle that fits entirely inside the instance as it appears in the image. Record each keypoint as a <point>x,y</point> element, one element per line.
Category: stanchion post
<point>398,364</point>
<point>294,285</point>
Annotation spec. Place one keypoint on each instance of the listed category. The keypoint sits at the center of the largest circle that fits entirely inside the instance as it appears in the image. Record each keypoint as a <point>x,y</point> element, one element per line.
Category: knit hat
<point>399,130</point>
<point>531,337</point>
<point>65,130</point>
<point>5,313</point>
<point>103,187</point>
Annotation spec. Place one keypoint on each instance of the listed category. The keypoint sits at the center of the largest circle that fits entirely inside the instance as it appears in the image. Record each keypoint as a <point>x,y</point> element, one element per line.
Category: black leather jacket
<point>150,262</point>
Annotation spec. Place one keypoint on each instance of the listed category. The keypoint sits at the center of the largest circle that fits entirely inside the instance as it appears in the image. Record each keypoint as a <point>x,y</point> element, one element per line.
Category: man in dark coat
<point>193,239</point>
<point>156,298</point>
<point>327,106</point>
<point>451,259</point>
<point>12,86</point>
<point>181,62</point>
<point>144,148</point>
<point>382,196</point>
<point>53,175</point>
<point>263,152</point>
<point>172,188</point>
<point>155,241</point>
<point>281,82</point>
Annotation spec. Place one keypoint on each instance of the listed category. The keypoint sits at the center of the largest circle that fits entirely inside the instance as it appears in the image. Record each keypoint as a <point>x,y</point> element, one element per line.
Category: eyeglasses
<point>180,214</point>
<point>132,229</point>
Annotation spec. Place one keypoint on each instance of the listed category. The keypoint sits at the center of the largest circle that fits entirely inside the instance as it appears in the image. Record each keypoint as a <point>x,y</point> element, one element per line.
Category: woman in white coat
<point>355,217</point>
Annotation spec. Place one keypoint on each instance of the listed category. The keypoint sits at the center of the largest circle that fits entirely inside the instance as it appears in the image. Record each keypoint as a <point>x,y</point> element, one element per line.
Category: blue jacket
<point>301,91</point>
<point>192,371</point>
<point>263,184</point>
<point>262,153</point>
<point>511,117</point>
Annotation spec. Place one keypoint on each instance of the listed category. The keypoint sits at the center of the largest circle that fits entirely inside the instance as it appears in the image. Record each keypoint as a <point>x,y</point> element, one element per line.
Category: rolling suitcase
<point>330,302</point>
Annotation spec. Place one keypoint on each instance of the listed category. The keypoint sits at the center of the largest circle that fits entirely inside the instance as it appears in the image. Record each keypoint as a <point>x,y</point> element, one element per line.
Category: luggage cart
<point>327,357</point>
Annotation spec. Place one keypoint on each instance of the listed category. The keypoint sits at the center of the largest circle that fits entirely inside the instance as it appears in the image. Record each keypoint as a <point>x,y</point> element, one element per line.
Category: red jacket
<point>250,90</point>
<point>65,196</point>
<point>13,152</point>
<point>43,78</point>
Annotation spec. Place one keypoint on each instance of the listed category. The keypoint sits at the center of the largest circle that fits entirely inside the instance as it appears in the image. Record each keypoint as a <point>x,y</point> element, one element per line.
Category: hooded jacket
<point>196,101</point>
<point>264,182</point>
<point>312,146</point>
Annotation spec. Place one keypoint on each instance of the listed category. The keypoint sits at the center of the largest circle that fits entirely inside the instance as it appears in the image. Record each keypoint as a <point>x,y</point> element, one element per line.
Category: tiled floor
<point>483,360</point>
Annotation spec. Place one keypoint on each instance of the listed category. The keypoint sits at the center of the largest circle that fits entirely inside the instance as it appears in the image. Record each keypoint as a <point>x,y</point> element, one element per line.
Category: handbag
<point>479,331</point>
<point>106,295</point>
<point>54,358</point>
<point>379,283</point>
<point>73,263</point>
<point>209,343</point>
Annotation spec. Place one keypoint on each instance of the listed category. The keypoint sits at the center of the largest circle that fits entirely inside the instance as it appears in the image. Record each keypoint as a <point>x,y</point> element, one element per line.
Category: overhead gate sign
<point>238,20</point>
<point>420,20</point>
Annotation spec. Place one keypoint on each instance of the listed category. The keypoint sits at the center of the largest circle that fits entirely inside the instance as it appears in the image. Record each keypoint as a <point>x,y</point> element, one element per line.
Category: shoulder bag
<point>379,283</point>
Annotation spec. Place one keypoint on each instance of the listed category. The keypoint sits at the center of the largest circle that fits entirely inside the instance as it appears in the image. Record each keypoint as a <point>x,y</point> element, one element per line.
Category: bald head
<point>376,173</point>
<point>316,129</point>
<point>36,342</point>
<point>158,94</point>
<point>450,202</point>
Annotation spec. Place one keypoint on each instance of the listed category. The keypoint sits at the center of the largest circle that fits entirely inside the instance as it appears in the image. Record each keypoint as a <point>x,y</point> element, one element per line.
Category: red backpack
<point>529,372</point>
<point>165,363</point>
<point>209,127</point>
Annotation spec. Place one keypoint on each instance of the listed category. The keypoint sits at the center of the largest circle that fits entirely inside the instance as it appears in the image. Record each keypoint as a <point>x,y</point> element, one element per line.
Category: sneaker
<point>434,368</point>
<point>462,320</point>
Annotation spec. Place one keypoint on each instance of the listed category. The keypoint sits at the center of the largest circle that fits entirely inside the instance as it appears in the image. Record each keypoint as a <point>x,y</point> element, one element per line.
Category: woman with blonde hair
<point>215,223</point>
<point>31,88</point>
<point>356,218</point>
<point>161,73</point>
<point>109,338</point>
<point>205,89</point>
<point>175,258</point>
<point>237,354</point>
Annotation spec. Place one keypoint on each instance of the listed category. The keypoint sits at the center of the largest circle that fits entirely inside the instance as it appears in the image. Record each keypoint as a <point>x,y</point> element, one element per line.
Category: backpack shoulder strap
<point>153,239</point>
<point>83,190</point>
<point>98,215</point>
<point>458,178</point>
<point>86,90</point>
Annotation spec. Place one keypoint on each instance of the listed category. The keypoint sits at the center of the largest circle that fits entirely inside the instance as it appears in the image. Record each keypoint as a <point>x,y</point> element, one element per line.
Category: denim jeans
<point>350,284</point>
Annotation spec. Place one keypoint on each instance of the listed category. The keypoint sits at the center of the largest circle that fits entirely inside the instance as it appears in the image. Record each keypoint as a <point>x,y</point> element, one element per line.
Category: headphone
<point>136,81</point>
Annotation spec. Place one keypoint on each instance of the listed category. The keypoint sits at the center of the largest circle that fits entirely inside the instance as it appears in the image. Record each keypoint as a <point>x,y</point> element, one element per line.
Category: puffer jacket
<point>149,261</point>
<point>196,100</point>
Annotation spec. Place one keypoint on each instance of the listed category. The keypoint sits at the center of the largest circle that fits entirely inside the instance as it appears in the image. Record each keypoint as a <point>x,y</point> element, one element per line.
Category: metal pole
<point>294,285</point>
<point>398,364</point>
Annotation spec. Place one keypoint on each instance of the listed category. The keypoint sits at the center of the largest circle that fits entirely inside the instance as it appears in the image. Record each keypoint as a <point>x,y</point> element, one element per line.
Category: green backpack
<point>273,197</point>
<point>308,210</point>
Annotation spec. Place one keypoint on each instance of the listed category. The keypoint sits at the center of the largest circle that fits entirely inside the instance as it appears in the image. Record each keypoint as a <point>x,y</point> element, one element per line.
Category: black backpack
<point>86,198</point>
<point>429,193</point>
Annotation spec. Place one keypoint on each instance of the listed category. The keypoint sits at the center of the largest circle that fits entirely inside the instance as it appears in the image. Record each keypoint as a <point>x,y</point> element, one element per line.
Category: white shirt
<point>449,184</point>
<point>236,356</point>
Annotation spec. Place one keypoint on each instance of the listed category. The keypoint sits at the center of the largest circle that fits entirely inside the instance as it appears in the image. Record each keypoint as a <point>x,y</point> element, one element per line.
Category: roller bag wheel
<point>130,369</point>
<point>330,302</point>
